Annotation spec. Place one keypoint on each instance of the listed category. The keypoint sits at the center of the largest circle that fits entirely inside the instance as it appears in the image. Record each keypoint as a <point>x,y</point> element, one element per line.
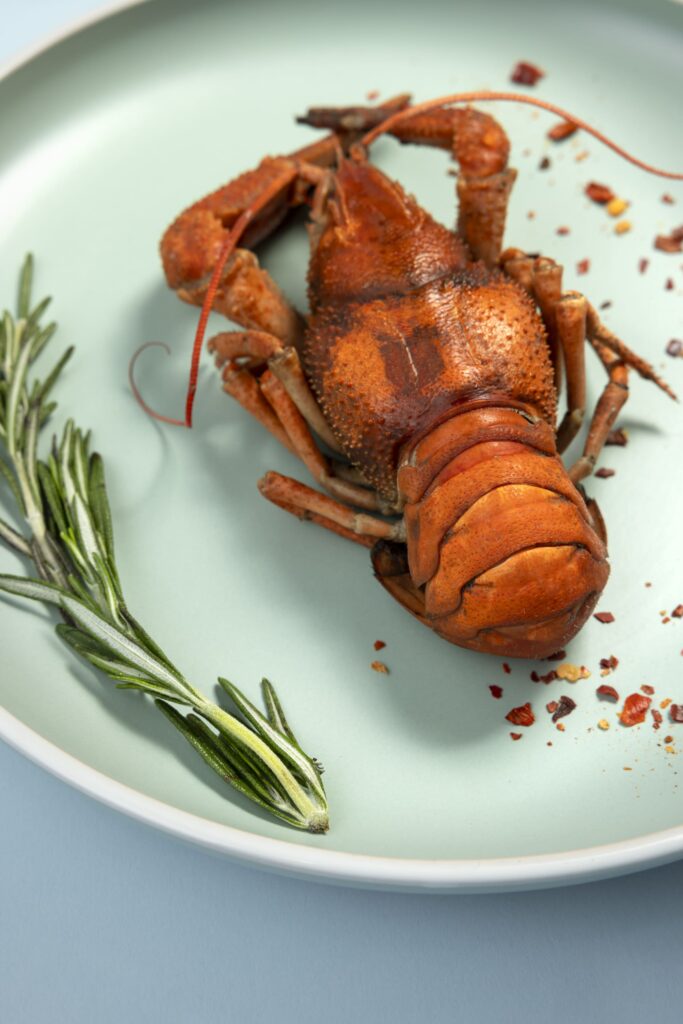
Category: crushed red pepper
<point>643,265</point>
<point>557,656</point>
<point>544,164</point>
<point>610,662</point>
<point>649,690</point>
<point>599,193</point>
<point>677,613</point>
<point>657,717</point>
<point>674,348</point>
<point>525,73</point>
<point>583,266</point>
<point>551,707</point>
<point>672,242</point>
<point>516,735</point>
<point>604,473</point>
<point>607,692</point>
<point>379,644</point>
<point>562,130</point>
<point>565,706</point>
<point>666,198</point>
<point>635,709</point>
<point>669,284</point>
<point>618,437</point>
<point>496,691</point>
<point>604,617</point>
<point>522,715</point>
<point>563,230</point>
<point>676,712</point>
<point>506,668</point>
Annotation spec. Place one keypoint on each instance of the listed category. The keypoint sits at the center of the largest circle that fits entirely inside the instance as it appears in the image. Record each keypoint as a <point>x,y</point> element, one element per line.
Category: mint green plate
<point>110,131</point>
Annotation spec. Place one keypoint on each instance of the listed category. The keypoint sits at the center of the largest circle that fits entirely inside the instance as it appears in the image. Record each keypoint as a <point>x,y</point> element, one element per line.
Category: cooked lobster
<point>429,366</point>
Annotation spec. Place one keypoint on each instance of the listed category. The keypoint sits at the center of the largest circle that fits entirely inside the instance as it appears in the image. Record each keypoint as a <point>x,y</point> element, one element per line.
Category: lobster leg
<point>475,140</point>
<point>255,349</point>
<point>570,320</point>
<point>608,408</point>
<point>571,329</point>
<point>304,444</point>
<point>617,359</point>
<point>306,503</point>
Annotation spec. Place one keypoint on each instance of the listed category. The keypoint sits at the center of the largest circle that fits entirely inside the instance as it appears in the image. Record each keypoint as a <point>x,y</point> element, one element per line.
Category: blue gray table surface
<point>104,920</point>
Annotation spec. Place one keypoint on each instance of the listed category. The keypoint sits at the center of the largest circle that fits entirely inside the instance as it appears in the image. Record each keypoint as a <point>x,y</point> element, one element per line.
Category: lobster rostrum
<point>429,366</point>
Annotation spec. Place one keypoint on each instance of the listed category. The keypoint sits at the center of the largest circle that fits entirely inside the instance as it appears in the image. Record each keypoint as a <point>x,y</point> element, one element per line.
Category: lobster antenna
<point>513,97</point>
<point>225,251</point>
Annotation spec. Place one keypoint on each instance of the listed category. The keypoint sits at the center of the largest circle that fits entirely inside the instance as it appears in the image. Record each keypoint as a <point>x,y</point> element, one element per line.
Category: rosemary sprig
<point>63,501</point>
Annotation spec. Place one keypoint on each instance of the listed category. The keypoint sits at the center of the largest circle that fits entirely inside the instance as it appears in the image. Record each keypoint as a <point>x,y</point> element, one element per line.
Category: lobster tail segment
<point>510,557</point>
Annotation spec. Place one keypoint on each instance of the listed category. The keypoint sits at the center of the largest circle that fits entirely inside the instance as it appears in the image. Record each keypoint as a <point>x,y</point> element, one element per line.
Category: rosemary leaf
<point>25,282</point>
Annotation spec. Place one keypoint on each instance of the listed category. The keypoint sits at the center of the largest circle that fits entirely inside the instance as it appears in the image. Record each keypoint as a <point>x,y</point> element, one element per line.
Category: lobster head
<point>504,554</point>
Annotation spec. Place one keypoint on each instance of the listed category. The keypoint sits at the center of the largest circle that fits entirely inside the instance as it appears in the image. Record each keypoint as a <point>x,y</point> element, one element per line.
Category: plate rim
<point>500,874</point>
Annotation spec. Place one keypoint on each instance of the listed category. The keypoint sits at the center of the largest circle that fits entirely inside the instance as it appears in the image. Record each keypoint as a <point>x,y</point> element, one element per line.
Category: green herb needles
<point>63,502</point>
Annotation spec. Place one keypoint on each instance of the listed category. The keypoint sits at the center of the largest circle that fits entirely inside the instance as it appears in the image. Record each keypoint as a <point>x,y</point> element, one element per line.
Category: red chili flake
<point>643,265</point>
<point>549,677</point>
<point>658,718</point>
<point>551,707</point>
<point>379,644</point>
<point>618,437</point>
<point>544,164</point>
<point>607,692</point>
<point>565,707</point>
<point>666,198</point>
<point>676,712</point>
<point>583,266</point>
<point>516,735</point>
<point>677,613</point>
<point>610,662</point>
<point>562,130</point>
<point>665,620</point>
<point>599,193</point>
<point>562,231</point>
<point>525,73</point>
<point>649,690</point>
<point>522,715</point>
<point>506,668</point>
<point>669,243</point>
<point>535,678</point>
<point>496,691</point>
<point>557,656</point>
<point>604,617</point>
<point>604,473</point>
<point>635,709</point>
<point>379,666</point>
<point>674,348</point>
<point>606,305</point>
<point>668,739</point>
<point>531,214</point>
<point>669,285</point>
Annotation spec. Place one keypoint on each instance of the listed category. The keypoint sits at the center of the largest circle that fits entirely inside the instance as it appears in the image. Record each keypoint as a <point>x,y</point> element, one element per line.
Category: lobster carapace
<point>429,365</point>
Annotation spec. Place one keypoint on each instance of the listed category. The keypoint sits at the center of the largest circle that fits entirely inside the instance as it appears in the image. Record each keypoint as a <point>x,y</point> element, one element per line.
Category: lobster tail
<point>510,557</point>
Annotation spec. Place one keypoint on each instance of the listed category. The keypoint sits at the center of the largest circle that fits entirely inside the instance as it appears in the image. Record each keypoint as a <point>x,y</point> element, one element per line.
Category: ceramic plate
<point>105,136</point>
